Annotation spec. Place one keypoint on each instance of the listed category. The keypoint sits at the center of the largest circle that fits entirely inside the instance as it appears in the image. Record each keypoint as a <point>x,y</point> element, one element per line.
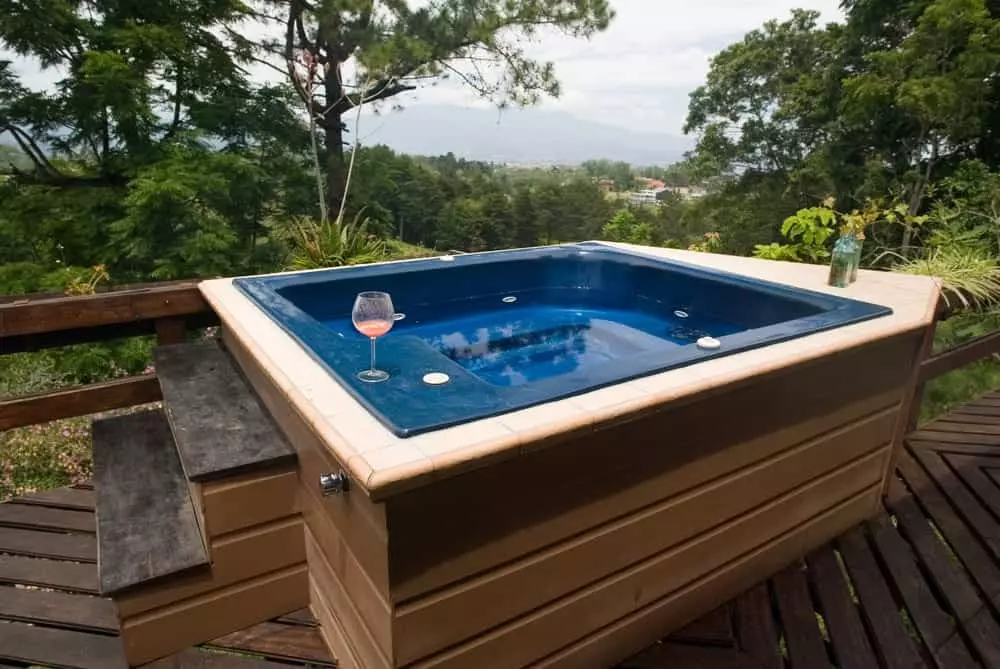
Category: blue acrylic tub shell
<point>587,275</point>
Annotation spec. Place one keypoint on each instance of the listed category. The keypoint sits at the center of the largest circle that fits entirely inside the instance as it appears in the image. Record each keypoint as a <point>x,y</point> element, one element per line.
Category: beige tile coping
<point>384,464</point>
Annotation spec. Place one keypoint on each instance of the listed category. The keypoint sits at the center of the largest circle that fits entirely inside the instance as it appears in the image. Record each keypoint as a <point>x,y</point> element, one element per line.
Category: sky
<point>637,74</point>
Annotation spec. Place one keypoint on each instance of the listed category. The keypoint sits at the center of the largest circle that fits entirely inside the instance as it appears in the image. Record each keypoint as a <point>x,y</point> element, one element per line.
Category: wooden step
<point>146,523</point>
<point>220,428</point>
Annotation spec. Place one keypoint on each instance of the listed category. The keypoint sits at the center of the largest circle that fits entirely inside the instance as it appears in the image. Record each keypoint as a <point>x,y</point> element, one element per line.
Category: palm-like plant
<point>969,276</point>
<point>315,244</point>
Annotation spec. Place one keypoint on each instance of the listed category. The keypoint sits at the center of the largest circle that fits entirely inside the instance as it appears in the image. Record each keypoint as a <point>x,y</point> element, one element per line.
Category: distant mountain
<point>529,136</point>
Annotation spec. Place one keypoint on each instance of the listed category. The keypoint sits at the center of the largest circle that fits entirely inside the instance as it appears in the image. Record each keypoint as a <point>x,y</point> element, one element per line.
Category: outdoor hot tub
<point>513,329</point>
<point>627,437</point>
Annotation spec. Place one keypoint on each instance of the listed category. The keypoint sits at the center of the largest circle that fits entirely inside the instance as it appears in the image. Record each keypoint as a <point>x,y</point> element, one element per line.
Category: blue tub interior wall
<point>590,276</point>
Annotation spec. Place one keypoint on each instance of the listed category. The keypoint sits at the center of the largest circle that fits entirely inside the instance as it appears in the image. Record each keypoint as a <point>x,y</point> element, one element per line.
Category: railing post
<point>170,330</point>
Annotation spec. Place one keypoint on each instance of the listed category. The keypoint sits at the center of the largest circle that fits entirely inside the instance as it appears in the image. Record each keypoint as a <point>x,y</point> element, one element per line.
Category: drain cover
<point>436,378</point>
<point>708,343</point>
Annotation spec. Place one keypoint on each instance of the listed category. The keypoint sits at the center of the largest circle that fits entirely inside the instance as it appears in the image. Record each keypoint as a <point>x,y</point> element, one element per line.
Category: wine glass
<point>373,317</point>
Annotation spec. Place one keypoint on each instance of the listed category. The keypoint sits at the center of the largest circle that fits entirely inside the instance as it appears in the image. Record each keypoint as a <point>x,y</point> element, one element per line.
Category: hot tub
<point>513,329</point>
<point>626,483</point>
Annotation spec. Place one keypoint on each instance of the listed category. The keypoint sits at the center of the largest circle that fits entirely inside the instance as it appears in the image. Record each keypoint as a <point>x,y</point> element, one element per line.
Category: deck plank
<point>952,582</point>
<point>61,498</point>
<point>274,640</point>
<point>66,649</point>
<point>945,437</point>
<point>934,624</point>
<point>895,647</point>
<point>950,579</point>
<point>755,627</point>
<point>806,649</point>
<point>193,658</point>
<point>59,608</point>
<point>971,510</point>
<point>970,470</point>
<point>851,648</point>
<point>73,576</point>
<point>712,629</point>
<point>969,549</point>
<point>672,655</point>
<point>77,547</point>
<point>43,517</point>
<point>963,426</point>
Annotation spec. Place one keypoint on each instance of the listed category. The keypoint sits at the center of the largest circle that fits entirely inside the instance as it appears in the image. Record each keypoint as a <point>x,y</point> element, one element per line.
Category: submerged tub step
<point>220,428</point>
<point>146,524</point>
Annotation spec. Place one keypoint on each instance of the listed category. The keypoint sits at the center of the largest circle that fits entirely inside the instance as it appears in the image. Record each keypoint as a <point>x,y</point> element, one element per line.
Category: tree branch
<point>30,149</point>
<point>294,15</point>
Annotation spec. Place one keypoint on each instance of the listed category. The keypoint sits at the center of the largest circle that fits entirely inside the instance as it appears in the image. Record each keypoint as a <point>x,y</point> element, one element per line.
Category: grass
<point>950,390</point>
<point>44,456</point>
<point>398,250</point>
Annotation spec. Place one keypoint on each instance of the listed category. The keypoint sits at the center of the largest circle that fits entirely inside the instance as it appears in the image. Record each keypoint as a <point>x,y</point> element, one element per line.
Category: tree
<point>393,47</point>
<point>768,98</point>
<point>623,227</point>
<point>934,88</point>
<point>135,75</point>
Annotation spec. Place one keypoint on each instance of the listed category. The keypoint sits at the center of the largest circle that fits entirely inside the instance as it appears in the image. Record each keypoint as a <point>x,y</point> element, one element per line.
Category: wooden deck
<point>919,586</point>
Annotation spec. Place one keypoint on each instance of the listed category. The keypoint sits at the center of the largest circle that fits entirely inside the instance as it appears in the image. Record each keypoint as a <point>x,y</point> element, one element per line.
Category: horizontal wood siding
<point>331,630</point>
<point>337,600</point>
<point>446,617</point>
<point>632,633</point>
<point>248,499</point>
<point>531,637</point>
<point>368,601</point>
<point>574,486</point>
<point>168,630</point>
<point>235,557</point>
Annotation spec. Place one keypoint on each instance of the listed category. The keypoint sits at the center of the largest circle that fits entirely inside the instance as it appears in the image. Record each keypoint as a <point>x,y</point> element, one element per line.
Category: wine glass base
<point>373,376</point>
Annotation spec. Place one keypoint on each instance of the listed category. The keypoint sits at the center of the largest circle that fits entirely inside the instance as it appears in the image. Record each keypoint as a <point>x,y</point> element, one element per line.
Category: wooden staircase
<point>197,524</point>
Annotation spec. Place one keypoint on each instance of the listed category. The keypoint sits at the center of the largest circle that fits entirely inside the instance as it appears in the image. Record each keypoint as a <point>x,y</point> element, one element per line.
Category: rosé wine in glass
<point>373,317</point>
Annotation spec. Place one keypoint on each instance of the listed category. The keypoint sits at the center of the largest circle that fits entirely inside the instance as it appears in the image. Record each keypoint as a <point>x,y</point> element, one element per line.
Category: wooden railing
<point>169,310</point>
<point>34,323</point>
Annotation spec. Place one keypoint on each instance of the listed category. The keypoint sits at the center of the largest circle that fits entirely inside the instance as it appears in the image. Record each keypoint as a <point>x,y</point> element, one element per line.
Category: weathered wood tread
<point>146,523</point>
<point>217,422</point>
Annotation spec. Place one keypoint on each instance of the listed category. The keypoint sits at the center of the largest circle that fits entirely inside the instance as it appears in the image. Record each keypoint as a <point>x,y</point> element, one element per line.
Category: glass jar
<point>843,261</point>
<point>859,243</point>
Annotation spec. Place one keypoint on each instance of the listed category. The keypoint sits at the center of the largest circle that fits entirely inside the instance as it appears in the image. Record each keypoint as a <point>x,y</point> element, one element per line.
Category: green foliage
<point>623,227</point>
<point>315,244</point>
<point>809,229</point>
<point>970,278</point>
<point>776,251</point>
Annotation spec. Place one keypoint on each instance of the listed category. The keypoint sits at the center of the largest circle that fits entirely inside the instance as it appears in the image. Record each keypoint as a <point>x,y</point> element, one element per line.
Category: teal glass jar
<point>859,243</point>
<point>843,262</point>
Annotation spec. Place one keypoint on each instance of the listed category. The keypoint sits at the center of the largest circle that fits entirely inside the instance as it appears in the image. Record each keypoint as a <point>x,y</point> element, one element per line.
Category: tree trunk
<point>336,171</point>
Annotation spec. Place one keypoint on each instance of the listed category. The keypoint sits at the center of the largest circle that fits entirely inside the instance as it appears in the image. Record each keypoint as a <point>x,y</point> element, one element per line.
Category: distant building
<point>606,185</point>
<point>687,191</point>
<point>644,197</point>
<point>650,184</point>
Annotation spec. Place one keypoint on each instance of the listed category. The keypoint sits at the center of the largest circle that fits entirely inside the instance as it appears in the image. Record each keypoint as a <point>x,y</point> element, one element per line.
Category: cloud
<point>640,71</point>
<point>637,74</point>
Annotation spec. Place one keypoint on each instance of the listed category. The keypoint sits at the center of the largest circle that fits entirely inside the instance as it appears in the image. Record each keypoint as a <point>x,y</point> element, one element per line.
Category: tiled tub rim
<point>384,464</point>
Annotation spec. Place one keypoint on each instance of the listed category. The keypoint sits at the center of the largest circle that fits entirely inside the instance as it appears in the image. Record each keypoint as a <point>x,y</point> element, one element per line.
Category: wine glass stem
<point>373,353</point>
